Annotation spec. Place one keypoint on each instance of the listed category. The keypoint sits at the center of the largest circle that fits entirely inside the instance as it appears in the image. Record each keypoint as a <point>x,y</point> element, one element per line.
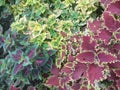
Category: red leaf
<point>115,65</point>
<point>86,57</point>
<point>114,8</point>
<point>53,81</point>
<point>110,22</point>
<point>106,57</point>
<point>95,73</point>
<point>80,69</point>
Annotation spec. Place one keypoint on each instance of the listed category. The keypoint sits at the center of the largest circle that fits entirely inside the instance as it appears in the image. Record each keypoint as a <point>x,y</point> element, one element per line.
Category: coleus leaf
<point>14,88</point>
<point>95,73</point>
<point>17,55</point>
<point>106,2</point>
<point>76,86</point>
<point>104,35</point>
<point>115,65</point>
<point>17,68</point>
<point>67,68</point>
<point>110,22</point>
<point>31,88</point>
<point>79,71</point>
<point>55,70</point>
<point>53,81</point>
<point>114,48</point>
<point>52,52</point>
<point>32,51</point>
<point>114,7</point>
<point>95,26</point>
<point>105,57</point>
<point>117,72</point>
<point>86,57</point>
<point>88,44</point>
<point>117,36</point>
<point>71,58</point>
<point>118,83</point>
<point>64,79</point>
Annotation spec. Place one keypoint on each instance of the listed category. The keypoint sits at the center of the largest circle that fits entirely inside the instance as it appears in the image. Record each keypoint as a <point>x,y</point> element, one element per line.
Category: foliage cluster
<point>43,37</point>
<point>91,60</point>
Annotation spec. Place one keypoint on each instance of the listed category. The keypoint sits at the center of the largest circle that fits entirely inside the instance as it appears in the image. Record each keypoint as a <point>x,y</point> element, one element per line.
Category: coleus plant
<point>21,62</point>
<point>91,61</point>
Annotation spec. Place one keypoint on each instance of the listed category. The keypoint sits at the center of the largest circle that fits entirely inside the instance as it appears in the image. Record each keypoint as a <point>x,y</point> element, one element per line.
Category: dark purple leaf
<point>18,55</point>
<point>17,68</point>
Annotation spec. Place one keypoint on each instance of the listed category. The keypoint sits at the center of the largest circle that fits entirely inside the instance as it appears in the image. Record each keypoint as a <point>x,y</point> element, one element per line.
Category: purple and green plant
<point>91,61</point>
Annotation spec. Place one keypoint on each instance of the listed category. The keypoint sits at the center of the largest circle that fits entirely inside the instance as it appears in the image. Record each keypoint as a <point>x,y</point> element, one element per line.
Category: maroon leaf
<point>115,65</point>
<point>95,73</point>
<point>80,70</point>
<point>67,68</point>
<point>105,36</point>
<point>71,58</point>
<point>88,44</point>
<point>76,86</point>
<point>95,26</point>
<point>86,57</point>
<point>110,22</point>
<point>114,7</point>
<point>115,48</point>
<point>106,57</point>
<point>55,70</point>
<point>53,81</point>
<point>64,79</point>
